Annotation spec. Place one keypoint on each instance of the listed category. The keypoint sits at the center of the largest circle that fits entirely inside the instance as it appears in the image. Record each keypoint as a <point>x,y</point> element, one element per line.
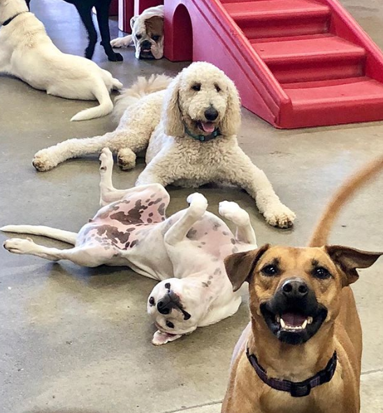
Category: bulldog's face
<point>148,37</point>
<point>175,306</point>
<point>296,291</point>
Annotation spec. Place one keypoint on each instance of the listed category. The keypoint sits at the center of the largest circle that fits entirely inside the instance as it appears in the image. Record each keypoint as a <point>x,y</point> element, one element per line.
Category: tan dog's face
<point>295,291</point>
<point>148,37</point>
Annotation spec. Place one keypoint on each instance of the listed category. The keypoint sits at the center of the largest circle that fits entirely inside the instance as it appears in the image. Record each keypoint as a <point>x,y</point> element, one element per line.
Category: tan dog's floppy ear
<point>240,266</point>
<point>173,125</point>
<point>232,120</point>
<point>349,259</point>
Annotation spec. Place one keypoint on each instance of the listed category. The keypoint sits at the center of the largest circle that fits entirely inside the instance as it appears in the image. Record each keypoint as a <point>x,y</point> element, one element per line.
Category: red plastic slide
<point>296,63</point>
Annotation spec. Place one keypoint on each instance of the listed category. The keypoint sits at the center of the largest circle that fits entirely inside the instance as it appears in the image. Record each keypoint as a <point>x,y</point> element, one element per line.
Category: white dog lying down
<point>185,251</point>
<point>28,53</point>
<point>147,34</point>
<point>191,142</point>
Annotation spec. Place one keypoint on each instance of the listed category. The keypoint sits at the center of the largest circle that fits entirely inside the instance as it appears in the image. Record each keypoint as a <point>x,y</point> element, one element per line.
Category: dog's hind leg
<point>87,256</point>
<point>102,9</point>
<point>239,217</point>
<point>178,232</point>
<point>108,193</point>
<point>49,158</point>
<point>85,13</point>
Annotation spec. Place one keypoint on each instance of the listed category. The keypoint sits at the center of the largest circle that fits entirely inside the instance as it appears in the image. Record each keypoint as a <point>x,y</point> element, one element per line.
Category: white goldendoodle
<point>28,53</point>
<point>190,142</point>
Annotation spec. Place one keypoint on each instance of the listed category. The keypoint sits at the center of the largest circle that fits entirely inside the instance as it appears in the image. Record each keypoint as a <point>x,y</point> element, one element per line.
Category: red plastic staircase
<point>296,63</point>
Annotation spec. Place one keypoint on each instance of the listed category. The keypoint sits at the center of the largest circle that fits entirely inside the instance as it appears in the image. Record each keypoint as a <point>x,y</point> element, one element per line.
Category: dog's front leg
<point>103,23</point>
<point>85,13</point>
<point>239,170</point>
<point>161,170</point>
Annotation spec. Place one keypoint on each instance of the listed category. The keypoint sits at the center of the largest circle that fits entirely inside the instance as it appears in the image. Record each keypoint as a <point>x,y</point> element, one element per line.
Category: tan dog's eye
<point>169,324</point>
<point>156,38</point>
<point>270,270</point>
<point>217,88</point>
<point>196,87</point>
<point>321,273</point>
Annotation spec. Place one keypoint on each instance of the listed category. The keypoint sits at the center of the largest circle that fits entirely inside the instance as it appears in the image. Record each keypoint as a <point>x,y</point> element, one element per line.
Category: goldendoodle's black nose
<point>211,114</point>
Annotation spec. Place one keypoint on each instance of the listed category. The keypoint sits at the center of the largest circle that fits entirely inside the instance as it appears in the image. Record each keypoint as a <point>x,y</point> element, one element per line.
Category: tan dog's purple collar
<point>296,389</point>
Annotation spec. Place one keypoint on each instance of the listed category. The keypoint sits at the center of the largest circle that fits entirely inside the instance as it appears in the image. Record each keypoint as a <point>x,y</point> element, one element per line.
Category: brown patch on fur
<point>155,26</point>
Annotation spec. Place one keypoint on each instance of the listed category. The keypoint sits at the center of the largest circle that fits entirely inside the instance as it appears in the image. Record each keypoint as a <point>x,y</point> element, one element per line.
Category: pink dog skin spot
<point>118,223</point>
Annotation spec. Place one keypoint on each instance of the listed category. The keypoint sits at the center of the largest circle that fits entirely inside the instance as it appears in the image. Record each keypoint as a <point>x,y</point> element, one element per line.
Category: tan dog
<point>301,352</point>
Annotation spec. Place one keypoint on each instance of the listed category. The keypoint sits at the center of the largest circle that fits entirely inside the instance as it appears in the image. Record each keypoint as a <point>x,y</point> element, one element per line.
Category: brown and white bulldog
<point>302,350</point>
<point>147,34</point>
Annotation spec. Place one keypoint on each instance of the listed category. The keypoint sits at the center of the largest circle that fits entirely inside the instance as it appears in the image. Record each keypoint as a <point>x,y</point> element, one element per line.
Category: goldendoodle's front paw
<point>279,216</point>
<point>126,159</point>
<point>19,246</point>
<point>42,161</point>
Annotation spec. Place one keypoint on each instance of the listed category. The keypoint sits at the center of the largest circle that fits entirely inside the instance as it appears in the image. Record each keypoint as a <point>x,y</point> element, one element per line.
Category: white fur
<point>28,53</point>
<point>173,157</point>
<point>137,24</point>
<point>192,264</point>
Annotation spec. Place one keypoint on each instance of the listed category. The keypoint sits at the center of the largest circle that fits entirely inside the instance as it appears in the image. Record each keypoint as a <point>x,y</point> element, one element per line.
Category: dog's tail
<point>65,236</point>
<point>343,194</point>
<point>105,107</point>
<point>140,89</point>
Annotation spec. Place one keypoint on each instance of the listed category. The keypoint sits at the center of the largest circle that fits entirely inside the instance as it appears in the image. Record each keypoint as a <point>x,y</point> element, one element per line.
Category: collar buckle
<point>300,389</point>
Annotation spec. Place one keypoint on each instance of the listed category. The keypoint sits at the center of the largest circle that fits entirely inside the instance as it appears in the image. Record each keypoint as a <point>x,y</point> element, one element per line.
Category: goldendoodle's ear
<point>232,120</point>
<point>173,125</point>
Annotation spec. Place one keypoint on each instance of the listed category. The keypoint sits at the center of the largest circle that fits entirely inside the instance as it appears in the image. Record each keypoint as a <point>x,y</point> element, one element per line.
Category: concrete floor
<point>78,340</point>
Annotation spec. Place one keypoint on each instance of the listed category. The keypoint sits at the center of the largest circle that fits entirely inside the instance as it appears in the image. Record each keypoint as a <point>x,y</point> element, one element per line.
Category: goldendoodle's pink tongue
<point>208,127</point>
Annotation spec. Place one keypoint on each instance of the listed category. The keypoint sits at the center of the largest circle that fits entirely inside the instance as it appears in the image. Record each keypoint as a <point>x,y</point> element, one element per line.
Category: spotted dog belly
<point>212,236</point>
<point>121,224</point>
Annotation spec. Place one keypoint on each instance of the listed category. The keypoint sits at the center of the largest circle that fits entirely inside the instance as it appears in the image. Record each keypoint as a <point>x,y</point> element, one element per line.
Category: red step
<point>296,63</point>
<point>277,18</point>
<point>307,58</point>
<point>360,98</point>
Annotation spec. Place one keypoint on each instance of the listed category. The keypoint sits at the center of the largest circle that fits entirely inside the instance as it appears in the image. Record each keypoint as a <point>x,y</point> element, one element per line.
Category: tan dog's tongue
<point>293,319</point>
<point>208,127</point>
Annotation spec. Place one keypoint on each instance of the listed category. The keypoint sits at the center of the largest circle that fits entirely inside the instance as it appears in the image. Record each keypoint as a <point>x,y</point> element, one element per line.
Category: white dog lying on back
<point>185,251</point>
<point>28,53</point>
<point>189,126</point>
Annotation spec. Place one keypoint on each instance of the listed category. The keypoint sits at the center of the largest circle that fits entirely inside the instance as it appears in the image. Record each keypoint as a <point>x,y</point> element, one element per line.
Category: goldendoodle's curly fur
<point>191,141</point>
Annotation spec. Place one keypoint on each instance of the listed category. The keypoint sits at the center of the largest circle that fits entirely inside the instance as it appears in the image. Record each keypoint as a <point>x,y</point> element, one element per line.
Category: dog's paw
<point>106,160</point>
<point>119,42</point>
<point>160,338</point>
<point>115,57</point>
<point>19,246</point>
<point>198,203</point>
<point>234,213</point>
<point>126,159</point>
<point>279,216</point>
<point>42,161</point>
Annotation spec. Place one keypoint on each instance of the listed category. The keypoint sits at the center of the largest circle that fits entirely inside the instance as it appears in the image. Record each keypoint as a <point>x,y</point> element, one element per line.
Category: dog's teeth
<point>278,319</point>
<point>283,324</point>
<point>304,325</point>
<point>310,320</point>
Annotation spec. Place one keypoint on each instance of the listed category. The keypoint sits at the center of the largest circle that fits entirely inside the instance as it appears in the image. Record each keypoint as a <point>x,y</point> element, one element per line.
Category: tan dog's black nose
<point>295,288</point>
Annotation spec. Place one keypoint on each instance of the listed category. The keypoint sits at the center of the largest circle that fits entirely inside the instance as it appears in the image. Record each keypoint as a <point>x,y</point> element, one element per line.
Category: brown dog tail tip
<point>341,196</point>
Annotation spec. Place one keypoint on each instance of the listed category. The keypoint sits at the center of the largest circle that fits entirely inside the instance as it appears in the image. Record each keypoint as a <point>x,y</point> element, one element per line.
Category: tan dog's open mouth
<point>293,323</point>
